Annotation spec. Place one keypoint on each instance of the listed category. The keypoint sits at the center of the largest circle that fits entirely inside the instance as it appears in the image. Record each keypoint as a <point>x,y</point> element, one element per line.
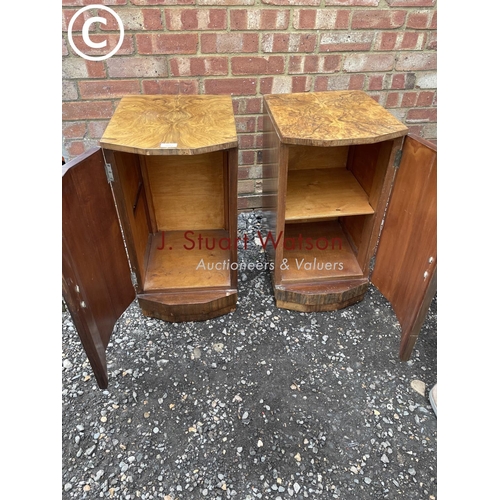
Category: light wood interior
<point>318,251</point>
<point>307,157</point>
<point>174,257</point>
<point>187,192</point>
<point>319,194</point>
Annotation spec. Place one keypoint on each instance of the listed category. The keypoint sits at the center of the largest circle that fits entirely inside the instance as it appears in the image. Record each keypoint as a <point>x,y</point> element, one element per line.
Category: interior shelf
<point>318,251</point>
<point>319,194</point>
<point>188,259</point>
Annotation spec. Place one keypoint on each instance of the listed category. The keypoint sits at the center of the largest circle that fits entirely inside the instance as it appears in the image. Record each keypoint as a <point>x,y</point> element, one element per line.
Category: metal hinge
<point>109,172</point>
<point>397,159</point>
<point>133,278</point>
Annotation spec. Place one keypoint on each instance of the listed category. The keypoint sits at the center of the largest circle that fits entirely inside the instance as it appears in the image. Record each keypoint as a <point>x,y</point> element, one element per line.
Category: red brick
<point>223,43</point>
<point>403,81</point>
<point>74,130</point>
<point>111,40</point>
<point>97,128</point>
<point>170,87</point>
<point>353,3</point>
<point>411,3</point>
<point>378,19</point>
<point>314,64</point>
<point>246,157</point>
<point>356,82</point>
<point>226,2</point>
<point>416,61</point>
<point>137,67</point>
<point>67,15</point>
<point>247,105</point>
<point>65,51</point>
<point>408,40</point>
<point>355,63</point>
<point>198,66</point>
<point>246,141</point>
<point>431,41</point>
<point>426,98</point>
<point>75,148</point>
<point>434,21</point>
<point>108,88</point>
<point>393,100</point>
<point>88,2</point>
<point>85,110</point>
<point>133,19</point>
<point>257,65</point>
<point>164,43</point>
<point>69,91</point>
<point>409,99</point>
<point>419,20</point>
<point>233,86</point>
<point>421,115</point>
<point>245,123</point>
<point>259,19</point>
<point>195,19</point>
<point>80,68</point>
<point>375,82</point>
<point>291,2</point>
<point>288,42</point>
<point>285,84</point>
<point>162,2</point>
<point>321,19</point>
<point>346,42</point>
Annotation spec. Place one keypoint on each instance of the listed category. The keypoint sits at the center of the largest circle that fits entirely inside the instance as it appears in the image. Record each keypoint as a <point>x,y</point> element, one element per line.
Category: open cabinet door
<point>96,279</point>
<point>405,267</point>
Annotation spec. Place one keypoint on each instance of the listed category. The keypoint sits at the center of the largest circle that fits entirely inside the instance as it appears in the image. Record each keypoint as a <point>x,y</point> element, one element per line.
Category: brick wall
<point>248,48</point>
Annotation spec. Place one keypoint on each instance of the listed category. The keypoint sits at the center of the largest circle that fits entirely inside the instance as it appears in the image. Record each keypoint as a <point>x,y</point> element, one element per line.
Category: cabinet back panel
<point>187,191</point>
<point>130,181</point>
<point>305,157</point>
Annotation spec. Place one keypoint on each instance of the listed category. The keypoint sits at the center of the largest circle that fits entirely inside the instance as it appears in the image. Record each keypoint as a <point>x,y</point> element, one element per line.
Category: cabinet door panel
<point>96,275</point>
<point>405,268</point>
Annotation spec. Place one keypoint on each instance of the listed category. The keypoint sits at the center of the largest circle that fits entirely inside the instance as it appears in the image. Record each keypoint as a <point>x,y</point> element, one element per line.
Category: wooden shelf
<point>174,264</point>
<point>322,251</point>
<point>324,193</point>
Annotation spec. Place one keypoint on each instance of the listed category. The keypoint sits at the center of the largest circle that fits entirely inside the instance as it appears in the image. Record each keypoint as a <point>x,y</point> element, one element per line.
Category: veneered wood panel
<point>331,118</point>
<point>171,125</point>
<point>187,191</point>
<point>405,268</point>
<point>95,269</point>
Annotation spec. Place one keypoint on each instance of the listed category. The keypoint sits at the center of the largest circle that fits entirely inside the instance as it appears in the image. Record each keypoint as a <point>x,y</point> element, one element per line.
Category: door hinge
<point>109,172</point>
<point>133,278</point>
<point>397,159</point>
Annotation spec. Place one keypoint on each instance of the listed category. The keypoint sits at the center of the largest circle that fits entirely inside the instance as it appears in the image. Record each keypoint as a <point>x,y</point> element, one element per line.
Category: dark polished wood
<point>95,271</point>
<point>406,262</point>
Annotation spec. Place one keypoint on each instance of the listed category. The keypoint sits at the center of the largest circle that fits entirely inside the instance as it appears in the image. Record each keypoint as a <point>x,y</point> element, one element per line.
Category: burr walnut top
<point>171,125</point>
<point>331,118</point>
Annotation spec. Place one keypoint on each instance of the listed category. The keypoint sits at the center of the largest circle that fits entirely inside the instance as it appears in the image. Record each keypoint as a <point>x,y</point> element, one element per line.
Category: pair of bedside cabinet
<point>160,196</point>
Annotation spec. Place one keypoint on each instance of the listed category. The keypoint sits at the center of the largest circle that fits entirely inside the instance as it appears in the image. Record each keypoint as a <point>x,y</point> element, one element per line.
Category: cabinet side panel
<point>130,195</point>
<point>307,157</point>
<point>187,191</point>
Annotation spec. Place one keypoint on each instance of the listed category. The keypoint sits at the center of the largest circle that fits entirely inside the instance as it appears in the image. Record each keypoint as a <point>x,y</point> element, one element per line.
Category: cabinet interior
<point>177,210</point>
<point>332,195</point>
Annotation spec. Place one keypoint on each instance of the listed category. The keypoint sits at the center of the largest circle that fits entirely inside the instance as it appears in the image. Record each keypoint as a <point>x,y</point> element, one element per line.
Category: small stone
<point>296,487</point>
<point>67,364</point>
<point>368,480</point>
<point>411,471</point>
<point>245,415</point>
<point>197,353</point>
<point>218,347</point>
<point>259,444</point>
<point>86,487</point>
<point>384,459</point>
<point>297,457</point>
<point>418,386</point>
<point>162,362</point>
<point>68,486</point>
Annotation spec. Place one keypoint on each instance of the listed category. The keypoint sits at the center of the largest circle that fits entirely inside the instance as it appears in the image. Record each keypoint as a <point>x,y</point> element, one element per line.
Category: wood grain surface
<point>171,125</point>
<point>331,118</point>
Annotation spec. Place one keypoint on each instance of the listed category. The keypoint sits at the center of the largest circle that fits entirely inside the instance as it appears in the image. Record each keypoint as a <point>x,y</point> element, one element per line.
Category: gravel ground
<point>260,403</point>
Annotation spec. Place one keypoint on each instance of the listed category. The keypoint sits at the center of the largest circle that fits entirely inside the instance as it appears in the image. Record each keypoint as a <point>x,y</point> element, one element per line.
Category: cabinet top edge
<point>333,118</point>
<point>171,124</point>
